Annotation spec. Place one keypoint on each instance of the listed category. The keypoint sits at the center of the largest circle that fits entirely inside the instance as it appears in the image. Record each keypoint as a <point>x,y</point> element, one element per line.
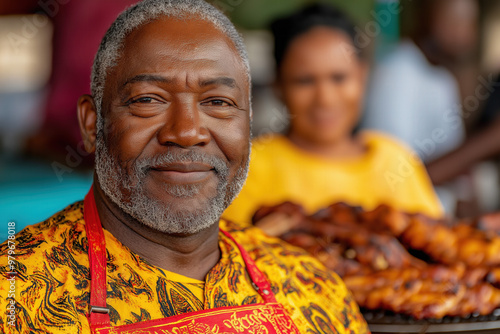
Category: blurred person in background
<point>477,157</point>
<point>412,95</point>
<point>321,77</point>
<point>481,145</point>
<point>415,90</point>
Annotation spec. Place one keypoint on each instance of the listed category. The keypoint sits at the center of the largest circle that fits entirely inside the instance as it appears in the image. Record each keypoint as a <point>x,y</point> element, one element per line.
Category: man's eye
<point>217,103</point>
<point>142,100</point>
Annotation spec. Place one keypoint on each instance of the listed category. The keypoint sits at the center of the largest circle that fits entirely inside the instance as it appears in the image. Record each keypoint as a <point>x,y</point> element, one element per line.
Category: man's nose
<point>183,126</point>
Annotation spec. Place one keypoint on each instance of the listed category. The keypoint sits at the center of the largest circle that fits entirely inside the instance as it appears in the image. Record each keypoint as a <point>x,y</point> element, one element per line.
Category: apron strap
<point>259,280</point>
<point>98,310</point>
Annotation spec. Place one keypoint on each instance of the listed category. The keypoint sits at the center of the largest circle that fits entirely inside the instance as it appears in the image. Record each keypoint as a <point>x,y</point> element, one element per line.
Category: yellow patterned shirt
<point>52,285</point>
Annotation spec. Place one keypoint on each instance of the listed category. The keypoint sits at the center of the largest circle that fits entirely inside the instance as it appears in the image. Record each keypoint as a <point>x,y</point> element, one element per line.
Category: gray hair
<point>145,12</point>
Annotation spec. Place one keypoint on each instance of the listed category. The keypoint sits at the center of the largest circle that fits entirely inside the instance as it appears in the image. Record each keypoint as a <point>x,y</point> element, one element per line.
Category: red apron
<point>264,318</point>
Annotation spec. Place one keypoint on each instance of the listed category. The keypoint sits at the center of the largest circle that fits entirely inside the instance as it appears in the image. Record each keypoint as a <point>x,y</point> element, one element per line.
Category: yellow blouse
<point>52,285</point>
<point>387,173</point>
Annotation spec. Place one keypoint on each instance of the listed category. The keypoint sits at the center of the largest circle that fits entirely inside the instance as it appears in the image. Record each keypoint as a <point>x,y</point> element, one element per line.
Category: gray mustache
<point>142,166</point>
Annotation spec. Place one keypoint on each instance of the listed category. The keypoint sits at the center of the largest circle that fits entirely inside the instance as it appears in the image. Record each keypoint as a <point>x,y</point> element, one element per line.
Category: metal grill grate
<point>388,322</point>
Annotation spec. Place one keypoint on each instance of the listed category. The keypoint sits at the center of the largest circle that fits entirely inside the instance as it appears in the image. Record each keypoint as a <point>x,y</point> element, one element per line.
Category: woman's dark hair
<point>286,29</point>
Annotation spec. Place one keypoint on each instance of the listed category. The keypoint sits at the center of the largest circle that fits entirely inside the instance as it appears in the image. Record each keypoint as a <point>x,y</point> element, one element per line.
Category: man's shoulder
<point>251,237</point>
<point>33,240</point>
<point>271,252</point>
<point>300,282</point>
<point>48,263</point>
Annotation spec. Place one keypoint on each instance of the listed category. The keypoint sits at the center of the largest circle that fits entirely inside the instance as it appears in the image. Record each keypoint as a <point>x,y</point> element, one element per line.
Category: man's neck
<point>192,256</point>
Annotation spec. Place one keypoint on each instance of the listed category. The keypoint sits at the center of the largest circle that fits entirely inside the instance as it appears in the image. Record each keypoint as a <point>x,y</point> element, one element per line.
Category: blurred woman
<point>321,79</point>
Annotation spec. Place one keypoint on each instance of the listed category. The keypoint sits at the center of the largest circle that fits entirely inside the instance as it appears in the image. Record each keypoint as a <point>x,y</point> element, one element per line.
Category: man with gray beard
<point>146,251</point>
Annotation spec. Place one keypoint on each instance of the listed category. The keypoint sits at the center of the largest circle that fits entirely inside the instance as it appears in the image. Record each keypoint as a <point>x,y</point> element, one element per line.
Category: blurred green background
<point>257,14</point>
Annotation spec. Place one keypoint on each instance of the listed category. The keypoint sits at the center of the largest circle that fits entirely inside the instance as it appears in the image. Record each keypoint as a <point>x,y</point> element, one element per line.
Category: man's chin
<point>180,221</point>
<point>190,192</point>
<point>173,214</point>
<point>183,203</point>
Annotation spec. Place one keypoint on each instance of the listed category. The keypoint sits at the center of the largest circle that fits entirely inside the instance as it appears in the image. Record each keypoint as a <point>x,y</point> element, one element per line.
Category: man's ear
<point>87,118</point>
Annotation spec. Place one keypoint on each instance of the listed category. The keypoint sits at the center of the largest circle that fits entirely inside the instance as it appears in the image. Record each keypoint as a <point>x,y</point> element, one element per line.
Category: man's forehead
<point>170,43</point>
<point>182,32</point>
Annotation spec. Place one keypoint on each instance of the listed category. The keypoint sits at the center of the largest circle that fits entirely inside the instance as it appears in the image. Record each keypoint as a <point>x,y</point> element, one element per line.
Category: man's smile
<point>183,173</point>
